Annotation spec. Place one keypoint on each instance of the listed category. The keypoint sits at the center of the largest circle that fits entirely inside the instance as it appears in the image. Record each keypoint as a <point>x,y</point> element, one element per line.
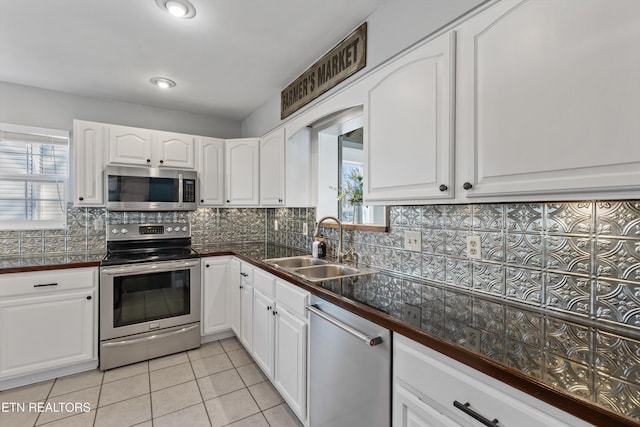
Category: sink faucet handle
<point>351,256</point>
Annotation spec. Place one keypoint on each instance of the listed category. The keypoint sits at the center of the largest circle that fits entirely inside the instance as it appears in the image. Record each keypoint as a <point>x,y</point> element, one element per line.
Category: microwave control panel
<point>189,191</point>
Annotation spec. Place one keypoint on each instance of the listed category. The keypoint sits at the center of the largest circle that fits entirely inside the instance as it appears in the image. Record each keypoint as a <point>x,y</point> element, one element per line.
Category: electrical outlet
<point>412,315</point>
<point>98,224</point>
<point>305,228</point>
<point>474,248</point>
<point>413,241</point>
<point>275,225</point>
<point>471,339</point>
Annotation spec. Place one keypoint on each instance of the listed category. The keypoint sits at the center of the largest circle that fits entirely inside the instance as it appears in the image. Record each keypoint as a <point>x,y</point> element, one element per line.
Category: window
<point>34,169</point>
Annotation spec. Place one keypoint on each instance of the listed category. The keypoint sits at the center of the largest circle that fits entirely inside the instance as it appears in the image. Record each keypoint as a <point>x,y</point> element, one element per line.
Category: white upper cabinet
<point>211,171</point>
<point>175,150</point>
<point>242,159</point>
<point>272,168</point>
<point>145,147</point>
<point>409,126</point>
<point>130,146</point>
<point>88,155</point>
<point>548,98</point>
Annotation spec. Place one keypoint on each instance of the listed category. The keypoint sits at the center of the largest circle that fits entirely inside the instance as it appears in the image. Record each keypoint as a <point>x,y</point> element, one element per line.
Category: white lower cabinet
<point>263,331</point>
<point>246,306</point>
<point>48,321</point>
<point>280,329</point>
<point>233,296</point>
<point>291,360</point>
<point>215,287</point>
<point>428,388</point>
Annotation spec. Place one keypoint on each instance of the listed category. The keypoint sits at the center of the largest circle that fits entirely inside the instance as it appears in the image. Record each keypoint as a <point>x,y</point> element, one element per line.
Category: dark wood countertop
<point>254,253</point>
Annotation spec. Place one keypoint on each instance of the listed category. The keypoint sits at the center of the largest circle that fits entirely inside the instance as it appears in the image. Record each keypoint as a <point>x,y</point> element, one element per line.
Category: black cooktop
<point>130,252</point>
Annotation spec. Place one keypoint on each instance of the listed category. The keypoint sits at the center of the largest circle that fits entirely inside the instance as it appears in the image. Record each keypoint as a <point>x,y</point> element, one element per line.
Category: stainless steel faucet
<point>340,255</point>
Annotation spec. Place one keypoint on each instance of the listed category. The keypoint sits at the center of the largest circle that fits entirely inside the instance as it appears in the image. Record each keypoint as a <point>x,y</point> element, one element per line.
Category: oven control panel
<point>147,231</point>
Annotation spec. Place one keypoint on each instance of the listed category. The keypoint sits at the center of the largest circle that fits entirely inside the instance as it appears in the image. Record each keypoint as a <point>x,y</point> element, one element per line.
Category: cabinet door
<point>234,295</point>
<point>263,331</point>
<point>175,150</point>
<point>211,171</point>
<point>548,97</point>
<point>246,316</point>
<point>130,146</point>
<point>409,126</point>
<point>291,360</point>
<point>88,161</point>
<point>242,171</point>
<point>45,332</point>
<point>410,411</point>
<point>215,286</point>
<point>272,169</point>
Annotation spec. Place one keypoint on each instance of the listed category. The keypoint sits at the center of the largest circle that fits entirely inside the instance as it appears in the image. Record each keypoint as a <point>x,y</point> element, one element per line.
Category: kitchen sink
<point>325,272</point>
<point>295,262</point>
<point>316,270</point>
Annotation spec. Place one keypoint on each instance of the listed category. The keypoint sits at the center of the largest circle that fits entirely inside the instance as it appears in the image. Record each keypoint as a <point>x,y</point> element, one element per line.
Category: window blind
<point>34,170</point>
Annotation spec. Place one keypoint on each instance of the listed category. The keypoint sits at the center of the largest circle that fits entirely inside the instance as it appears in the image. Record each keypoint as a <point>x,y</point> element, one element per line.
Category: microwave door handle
<point>180,190</point>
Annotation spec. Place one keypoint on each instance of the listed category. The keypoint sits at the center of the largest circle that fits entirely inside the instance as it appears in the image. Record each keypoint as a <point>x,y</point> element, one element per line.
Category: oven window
<point>145,297</point>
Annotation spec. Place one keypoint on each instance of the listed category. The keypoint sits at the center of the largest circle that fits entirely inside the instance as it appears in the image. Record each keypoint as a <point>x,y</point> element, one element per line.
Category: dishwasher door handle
<point>370,341</point>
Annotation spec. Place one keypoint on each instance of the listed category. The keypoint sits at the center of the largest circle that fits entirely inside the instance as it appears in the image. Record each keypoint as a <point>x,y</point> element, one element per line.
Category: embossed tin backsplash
<point>556,293</point>
<point>208,225</point>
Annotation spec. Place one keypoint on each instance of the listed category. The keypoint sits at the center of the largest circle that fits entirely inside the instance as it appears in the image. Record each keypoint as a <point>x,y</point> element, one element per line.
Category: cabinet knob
<point>148,160</point>
<point>89,297</point>
<point>443,187</point>
<point>81,198</point>
<point>274,312</point>
<point>161,161</point>
<point>467,186</point>
<point>207,265</point>
<point>201,200</point>
<point>279,200</point>
<point>241,286</point>
<point>228,201</point>
<point>268,308</point>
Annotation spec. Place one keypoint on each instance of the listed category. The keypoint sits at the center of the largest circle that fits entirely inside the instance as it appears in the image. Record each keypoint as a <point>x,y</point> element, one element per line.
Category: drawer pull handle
<point>465,407</point>
<point>42,285</point>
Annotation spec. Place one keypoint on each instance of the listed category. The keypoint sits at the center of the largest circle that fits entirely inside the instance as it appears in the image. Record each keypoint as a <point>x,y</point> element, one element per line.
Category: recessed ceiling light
<point>162,82</point>
<point>178,8</point>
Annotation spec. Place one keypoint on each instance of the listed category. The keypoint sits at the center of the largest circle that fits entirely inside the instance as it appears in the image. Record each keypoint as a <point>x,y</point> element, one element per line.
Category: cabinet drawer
<point>38,282</point>
<point>246,272</point>
<point>292,298</point>
<point>440,384</point>
<point>264,281</point>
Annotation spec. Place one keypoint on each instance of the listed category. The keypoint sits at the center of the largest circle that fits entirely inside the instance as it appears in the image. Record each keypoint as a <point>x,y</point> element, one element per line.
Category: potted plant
<point>352,193</point>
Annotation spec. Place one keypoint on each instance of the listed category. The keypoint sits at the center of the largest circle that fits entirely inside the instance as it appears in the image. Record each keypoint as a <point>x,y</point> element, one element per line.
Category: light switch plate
<point>474,248</point>
<point>305,228</point>
<point>275,225</point>
<point>413,241</point>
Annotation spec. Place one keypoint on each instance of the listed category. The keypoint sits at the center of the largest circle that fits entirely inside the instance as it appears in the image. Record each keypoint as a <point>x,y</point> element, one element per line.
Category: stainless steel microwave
<point>143,189</point>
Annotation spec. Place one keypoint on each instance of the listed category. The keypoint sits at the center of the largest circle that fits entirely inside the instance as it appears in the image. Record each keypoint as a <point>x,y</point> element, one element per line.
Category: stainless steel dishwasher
<point>350,369</point>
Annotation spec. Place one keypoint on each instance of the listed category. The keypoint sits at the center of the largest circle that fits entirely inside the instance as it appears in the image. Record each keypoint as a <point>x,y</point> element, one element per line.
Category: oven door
<point>144,297</point>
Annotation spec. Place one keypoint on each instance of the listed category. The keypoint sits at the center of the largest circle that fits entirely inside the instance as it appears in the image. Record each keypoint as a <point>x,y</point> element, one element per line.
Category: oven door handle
<point>150,338</point>
<point>147,268</point>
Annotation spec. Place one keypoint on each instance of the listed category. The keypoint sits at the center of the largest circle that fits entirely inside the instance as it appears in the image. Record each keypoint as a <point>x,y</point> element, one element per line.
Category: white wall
<point>32,106</point>
<point>395,26</point>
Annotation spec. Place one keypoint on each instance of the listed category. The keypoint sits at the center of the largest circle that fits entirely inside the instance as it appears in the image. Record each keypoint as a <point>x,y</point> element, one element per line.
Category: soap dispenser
<point>322,247</point>
<point>315,247</point>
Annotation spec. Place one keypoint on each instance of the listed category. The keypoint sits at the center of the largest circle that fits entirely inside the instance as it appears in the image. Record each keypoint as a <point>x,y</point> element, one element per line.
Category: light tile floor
<point>215,385</point>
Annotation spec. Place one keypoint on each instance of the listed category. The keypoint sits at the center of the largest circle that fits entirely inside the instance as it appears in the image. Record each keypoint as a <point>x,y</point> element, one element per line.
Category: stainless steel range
<point>149,293</point>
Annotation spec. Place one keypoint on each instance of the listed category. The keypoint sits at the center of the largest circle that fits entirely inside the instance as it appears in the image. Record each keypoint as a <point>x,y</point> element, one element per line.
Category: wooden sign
<point>349,56</point>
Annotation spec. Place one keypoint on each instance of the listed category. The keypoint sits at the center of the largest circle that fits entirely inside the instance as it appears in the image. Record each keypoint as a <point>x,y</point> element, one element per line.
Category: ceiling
<point>227,61</point>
